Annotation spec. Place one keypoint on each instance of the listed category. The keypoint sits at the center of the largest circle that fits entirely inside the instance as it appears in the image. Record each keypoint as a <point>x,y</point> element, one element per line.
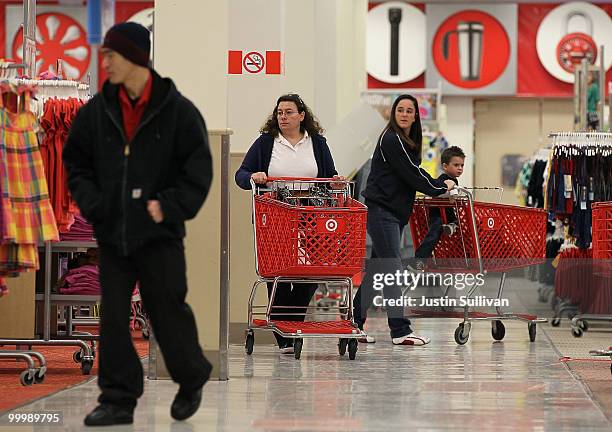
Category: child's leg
<point>430,241</point>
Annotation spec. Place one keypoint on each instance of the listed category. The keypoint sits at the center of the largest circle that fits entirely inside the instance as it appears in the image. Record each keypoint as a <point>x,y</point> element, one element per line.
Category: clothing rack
<point>582,139</point>
<point>595,145</point>
<point>85,354</point>
<point>9,70</point>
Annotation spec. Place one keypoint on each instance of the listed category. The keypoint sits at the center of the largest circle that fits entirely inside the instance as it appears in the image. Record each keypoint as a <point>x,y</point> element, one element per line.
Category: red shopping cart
<point>602,230</point>
<point>599,299</point>
<point>307,231</point>
<point>491,237</point>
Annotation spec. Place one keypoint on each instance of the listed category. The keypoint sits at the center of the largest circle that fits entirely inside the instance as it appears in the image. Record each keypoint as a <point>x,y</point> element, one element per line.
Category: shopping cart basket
<point>602,230</point>
<point>491,237</point>
<point>602,269</point>
<point>305,231</point>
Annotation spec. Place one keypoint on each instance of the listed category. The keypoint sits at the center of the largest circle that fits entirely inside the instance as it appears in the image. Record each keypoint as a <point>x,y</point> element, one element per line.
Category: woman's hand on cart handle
<point>259,177</point>
<point>450,185</point>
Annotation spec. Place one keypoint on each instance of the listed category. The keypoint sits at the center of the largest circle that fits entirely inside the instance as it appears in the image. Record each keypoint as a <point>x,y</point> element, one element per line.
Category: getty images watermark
<point>409,281</point>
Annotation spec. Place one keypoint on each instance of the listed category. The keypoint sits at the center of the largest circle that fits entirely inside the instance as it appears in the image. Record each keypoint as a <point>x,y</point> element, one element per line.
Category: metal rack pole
<point>584,90</point>
<point>47,297</point>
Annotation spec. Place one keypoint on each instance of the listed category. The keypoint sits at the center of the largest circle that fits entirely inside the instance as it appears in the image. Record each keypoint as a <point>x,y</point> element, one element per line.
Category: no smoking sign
<point>254,62</point>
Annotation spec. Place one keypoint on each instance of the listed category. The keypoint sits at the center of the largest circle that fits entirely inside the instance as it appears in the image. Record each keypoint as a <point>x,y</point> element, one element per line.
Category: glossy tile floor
<point>512,385</point>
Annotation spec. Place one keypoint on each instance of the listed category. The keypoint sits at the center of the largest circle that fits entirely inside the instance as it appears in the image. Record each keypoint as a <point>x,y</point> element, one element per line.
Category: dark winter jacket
<point>395,177</point>
<point>258,158</point>
<point>111,179</point>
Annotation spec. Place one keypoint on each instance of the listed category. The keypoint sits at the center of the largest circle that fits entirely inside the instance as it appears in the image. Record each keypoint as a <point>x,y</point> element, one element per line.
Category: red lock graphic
<point>576,46</point>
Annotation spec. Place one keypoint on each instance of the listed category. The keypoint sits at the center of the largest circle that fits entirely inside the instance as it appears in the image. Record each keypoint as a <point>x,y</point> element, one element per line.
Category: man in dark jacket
<point>138,167</point>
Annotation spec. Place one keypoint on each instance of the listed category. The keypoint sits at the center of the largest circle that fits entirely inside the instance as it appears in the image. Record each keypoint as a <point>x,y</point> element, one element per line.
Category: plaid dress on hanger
<point>26,210</point>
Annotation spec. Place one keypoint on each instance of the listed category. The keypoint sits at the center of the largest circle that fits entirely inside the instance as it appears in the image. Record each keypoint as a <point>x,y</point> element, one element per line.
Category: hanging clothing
<point>579,175</point>
<point>26,214</point>
<point>56,122</point>
<point>535,186</point>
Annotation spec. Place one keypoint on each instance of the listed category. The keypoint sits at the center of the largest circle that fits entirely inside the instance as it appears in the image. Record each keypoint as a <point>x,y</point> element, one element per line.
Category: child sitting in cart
<point>452,160</point>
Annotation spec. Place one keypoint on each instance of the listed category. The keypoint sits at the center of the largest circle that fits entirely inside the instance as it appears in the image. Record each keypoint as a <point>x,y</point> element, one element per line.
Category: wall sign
<point>463,41</point>
<point>571,32</point>
<point>395,42</point>
<point>533,78</point>
<point>472,48</point>
<point>58,35</point>
<point>253,62</point>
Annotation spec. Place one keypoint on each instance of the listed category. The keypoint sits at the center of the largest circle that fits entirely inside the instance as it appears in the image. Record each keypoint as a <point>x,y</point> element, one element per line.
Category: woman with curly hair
<point>290,145</point>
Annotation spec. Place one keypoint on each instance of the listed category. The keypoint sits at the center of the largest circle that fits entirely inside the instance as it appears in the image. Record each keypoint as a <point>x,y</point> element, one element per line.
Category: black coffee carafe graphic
<point>395,17</point>
<point>469,41</point>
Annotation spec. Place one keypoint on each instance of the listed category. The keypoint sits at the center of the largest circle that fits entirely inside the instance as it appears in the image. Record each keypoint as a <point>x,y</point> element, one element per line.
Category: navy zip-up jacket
<point>258,158</point>
<point>395,177</point>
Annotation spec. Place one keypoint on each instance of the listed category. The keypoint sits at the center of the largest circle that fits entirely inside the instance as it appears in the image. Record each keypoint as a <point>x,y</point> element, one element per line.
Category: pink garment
<point>3,288</point>
<point>80,230</point>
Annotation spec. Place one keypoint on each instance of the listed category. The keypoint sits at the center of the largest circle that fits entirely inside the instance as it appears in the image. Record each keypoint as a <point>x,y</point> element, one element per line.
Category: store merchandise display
<point>579,175</point>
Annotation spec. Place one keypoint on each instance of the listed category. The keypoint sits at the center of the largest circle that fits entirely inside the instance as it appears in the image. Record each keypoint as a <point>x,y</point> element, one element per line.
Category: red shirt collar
<point>144,98</point>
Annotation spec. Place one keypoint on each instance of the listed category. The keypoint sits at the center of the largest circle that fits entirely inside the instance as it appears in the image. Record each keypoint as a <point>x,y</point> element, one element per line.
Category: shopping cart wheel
<point>460,337</point>
<point>532,331</point>
<point>577,332</point>
<point>342,344</point>
<point>26,378</point>
<point>498,330</point>
<point>583,325</point>
<point>39,376</point>
<point>297,348</point>
<point>93,348</point>
<point>352,349</point>
<point>86,366</point>
<point>555,322</point>
<point>250,342</point>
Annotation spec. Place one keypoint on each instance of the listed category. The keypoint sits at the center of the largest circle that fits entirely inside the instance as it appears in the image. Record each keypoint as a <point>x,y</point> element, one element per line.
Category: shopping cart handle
<point>318,179</point>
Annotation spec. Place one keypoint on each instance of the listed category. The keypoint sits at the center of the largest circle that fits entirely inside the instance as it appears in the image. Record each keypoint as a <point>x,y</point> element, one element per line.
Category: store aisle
<point>438,387</point>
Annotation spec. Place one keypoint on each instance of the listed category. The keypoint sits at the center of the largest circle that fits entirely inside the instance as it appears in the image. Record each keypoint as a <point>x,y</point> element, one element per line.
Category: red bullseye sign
<point>471,49</point>
<point>58,37</point>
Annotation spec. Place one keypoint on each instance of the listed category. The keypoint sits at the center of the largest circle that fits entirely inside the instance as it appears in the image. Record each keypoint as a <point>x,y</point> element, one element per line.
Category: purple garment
<point>83,280</point>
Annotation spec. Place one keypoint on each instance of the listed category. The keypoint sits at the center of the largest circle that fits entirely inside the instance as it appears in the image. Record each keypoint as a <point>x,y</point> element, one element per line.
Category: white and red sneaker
<point>366,339</point>
<point>411,339</point>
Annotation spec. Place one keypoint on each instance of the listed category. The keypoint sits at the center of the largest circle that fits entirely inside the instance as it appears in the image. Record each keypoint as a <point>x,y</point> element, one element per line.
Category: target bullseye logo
<point>331,225</point>
<point>491,223</point>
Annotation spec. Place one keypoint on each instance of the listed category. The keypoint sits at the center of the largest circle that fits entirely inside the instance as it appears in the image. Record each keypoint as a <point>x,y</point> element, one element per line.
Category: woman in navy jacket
<point>290,145</point>
<point>394,179</point>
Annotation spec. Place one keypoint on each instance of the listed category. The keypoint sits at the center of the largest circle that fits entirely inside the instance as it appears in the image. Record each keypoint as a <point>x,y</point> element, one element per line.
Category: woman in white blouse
<point>290,145</point>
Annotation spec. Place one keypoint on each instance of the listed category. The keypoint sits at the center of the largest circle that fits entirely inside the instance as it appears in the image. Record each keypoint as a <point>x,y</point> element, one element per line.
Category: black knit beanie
<point>131,40</point>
